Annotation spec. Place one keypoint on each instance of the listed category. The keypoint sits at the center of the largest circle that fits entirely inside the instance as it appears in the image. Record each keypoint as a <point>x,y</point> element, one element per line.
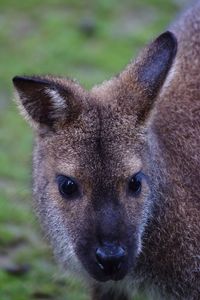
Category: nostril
<point>110,257</point>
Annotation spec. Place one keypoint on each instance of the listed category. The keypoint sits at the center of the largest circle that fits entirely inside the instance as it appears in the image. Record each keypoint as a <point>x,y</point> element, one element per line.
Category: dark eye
<point>135,184</point>
<point>67,186</point>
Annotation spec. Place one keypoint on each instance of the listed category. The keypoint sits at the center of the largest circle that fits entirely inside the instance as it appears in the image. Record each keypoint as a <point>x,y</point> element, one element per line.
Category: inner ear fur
<point>155,61</point>
<point>47,100</point>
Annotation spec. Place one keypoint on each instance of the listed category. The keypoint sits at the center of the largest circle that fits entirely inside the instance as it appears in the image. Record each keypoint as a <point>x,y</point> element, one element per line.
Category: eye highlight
<point>67,186</point>
<point>135,184</point>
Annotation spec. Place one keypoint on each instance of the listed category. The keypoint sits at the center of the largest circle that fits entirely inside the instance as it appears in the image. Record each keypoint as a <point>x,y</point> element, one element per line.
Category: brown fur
<point>99,294</point>
<point>147,118</point>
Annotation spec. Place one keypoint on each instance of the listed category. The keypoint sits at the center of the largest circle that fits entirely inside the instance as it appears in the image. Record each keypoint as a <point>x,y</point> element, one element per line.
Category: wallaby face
<point>94,191</point>
<point>92,185</point>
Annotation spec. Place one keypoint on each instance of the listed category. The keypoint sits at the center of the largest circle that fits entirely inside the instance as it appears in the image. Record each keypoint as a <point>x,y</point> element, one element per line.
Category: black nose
<point>110,257</point>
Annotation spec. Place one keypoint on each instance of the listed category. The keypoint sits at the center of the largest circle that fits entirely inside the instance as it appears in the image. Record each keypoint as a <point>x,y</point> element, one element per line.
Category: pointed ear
<point>138,85</point>
<point>155,61</point>
<point>45,100</point>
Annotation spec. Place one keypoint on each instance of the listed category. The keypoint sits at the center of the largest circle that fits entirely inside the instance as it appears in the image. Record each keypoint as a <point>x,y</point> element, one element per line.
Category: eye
<point>67,186</point>
<point>135,184</point>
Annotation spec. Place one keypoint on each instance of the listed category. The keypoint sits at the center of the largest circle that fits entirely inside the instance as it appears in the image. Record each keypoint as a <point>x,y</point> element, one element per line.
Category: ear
<point>45,100</point>
<point>155,61</point>
<point>141,81</point>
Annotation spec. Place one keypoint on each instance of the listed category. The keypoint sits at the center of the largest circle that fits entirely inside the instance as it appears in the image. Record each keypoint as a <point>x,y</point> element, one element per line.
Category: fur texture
<point>146,119</point>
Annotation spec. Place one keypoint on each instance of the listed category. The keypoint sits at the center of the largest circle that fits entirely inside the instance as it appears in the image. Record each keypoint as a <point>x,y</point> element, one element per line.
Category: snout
<point>108,250</point>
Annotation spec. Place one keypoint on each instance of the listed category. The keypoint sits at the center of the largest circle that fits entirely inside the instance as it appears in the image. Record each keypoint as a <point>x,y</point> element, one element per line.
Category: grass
<point>39,37</point>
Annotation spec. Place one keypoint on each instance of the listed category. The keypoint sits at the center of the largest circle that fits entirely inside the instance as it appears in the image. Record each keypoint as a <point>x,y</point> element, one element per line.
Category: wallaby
<point>116,169</point>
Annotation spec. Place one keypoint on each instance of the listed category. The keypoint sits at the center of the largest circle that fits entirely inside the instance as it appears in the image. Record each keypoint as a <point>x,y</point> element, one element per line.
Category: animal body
<point>116,169</point>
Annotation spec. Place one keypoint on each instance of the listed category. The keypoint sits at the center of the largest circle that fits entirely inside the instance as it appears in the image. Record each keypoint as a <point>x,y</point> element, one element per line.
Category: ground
<point>87,40</point>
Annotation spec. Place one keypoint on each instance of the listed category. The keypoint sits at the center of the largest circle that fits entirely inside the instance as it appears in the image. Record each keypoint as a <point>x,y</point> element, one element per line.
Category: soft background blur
<point>87,40</point>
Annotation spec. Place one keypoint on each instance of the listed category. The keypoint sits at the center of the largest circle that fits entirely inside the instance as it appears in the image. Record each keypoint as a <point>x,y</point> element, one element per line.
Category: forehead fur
<point>100,139</point>
<point>102,117</point>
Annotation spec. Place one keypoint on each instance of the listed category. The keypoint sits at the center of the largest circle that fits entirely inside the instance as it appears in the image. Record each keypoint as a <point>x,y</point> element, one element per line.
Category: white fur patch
<point>57,100</point>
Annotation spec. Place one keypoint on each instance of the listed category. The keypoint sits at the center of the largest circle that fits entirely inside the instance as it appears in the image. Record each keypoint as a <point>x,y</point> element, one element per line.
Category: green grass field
<point>87,40</point>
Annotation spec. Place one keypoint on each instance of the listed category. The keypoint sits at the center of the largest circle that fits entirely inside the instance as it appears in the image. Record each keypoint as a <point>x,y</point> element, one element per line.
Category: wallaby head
<point>92,185</point>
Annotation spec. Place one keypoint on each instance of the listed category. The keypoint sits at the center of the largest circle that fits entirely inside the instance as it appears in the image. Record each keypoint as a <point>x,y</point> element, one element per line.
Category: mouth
<point>110,273</point>
<point>112,277</point>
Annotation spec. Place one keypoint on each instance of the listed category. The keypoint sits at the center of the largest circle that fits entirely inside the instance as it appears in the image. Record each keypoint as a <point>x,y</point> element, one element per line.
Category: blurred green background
<point>87,40</point>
